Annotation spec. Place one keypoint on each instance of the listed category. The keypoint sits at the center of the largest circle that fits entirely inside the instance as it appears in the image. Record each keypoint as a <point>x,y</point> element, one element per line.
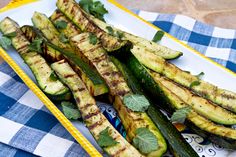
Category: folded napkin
<point>27,128</point>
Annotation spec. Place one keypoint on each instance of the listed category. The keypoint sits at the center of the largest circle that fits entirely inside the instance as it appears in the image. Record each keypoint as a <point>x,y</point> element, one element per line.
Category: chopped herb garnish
<point>53,76</point>
<point>95,8</point>
<point>61,24</point>
<point>10,35</point>
<point>158,36</point>
<point>180,115</point>
<point>70,110</point>
<point>110,30</point>
<point>136,102</point>
<point>199,76</point>
<point>5,42</point>
<point>119,35</point>
<point>195,83</point>
<point>63,38</point>
<point>145,140</point>
<point>36,45</point>
<point>93,39</point>
<point>105,140</point>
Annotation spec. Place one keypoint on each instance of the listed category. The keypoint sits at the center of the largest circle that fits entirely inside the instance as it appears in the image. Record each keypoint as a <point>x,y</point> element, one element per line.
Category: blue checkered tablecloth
<point>27,128</point>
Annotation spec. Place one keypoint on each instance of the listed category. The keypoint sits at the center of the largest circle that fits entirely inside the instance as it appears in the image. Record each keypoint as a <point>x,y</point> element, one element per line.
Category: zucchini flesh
<point>91,78</point>
<point>41,70</point>
<point>91,114</point>
<point>222,97</point>
<point>140,42</point>
<point>171,134</point>
<point>223,136</point>
<point>199,104</point>
<point>98,57</point>
<point>73,11</point>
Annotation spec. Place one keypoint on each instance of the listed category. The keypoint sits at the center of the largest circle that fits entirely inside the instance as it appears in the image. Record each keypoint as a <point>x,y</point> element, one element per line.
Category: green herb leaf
<point>110,30</point>
<point>199,76</point>
<point>5,42</point>
<point>10,35</point>
<point>158,36</point>
<point>195,83</point>
<point>61,24</point>
<point>136,102</point>
<point>53,76</point>
<point>96,8</point>
<point>119,35</point>
<point>180,115</point>
<point>63,38</point>
<point>105,140</point>
<point>145,141</point>
<point>36,45</point>
<point>70,111</point>
<point>93,39</point>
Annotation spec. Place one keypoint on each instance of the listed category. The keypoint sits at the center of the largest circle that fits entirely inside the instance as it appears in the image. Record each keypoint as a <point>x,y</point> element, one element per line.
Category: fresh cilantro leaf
<point>200,75</point>
<point>36,45</point>
<point>119,35</point>
<point>180,115</point>
<point>195,83</point>
<point>53,76</point>
<point>61,24</point>
<point>145,140</point>
<point>5,42</point>
<point>110,30</point>
<point>96,8</point>
<point>63,38</point>
<point>93,39</point>
<point>136,102</point>
<point>105,140</point>
<point>158,36</point>
<point>10,35</point>
<point>70,111</point>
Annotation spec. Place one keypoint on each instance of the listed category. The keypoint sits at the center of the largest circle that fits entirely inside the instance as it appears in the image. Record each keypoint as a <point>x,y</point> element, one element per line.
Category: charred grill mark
<point>228,96</point>
<point>91,114</point>
<point>36,62</point>
<point>86,106</point>
<point>22,48</point>
<point>99,59</point>
<point>119,152</point>
<point>57,14</point>
<point>116,82</point>
<point>77,100</point>
<point>81,89</point>
<point>99,123</point>
<point>69,75</point>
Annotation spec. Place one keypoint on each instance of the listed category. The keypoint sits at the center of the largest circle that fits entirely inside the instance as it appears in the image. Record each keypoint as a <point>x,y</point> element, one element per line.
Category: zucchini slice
<point>93,81</point>
<point>41,70</point>
<point>200,105</point>
<point>146,45</point>
<point>73,11</point>
<point>221,135</point>
<point>171,134</point>
<point>222,97</point>
<point>91,114</point>
<point>97,56</point>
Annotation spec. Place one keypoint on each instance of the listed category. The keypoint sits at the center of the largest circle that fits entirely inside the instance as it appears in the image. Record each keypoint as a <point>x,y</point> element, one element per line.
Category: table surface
<point>209,11</point>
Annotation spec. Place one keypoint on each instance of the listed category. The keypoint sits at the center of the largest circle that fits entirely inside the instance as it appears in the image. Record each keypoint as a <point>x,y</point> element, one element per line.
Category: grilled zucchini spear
<point>51,86</point>
<point>97,56</point>
<point>92,116</point>
<point>219,134</point>
<point>222,97</point>
<point>91,78</point>
<point>73,11</point>
<point>143,44</point>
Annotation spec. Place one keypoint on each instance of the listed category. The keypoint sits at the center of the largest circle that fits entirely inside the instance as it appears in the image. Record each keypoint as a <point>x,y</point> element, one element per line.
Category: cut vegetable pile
<point>76,56</point>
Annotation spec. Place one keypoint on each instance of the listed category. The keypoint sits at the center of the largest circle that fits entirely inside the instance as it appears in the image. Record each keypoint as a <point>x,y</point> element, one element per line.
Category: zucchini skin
<point>91,114</point>
<point>222,97</point>
<point>92,79</point>
<point>171,134</point>
<point>97,56</point>
<point>54,89</point>
<point>73,11</point>
<point>223,136</point>
<point>146,45</point>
